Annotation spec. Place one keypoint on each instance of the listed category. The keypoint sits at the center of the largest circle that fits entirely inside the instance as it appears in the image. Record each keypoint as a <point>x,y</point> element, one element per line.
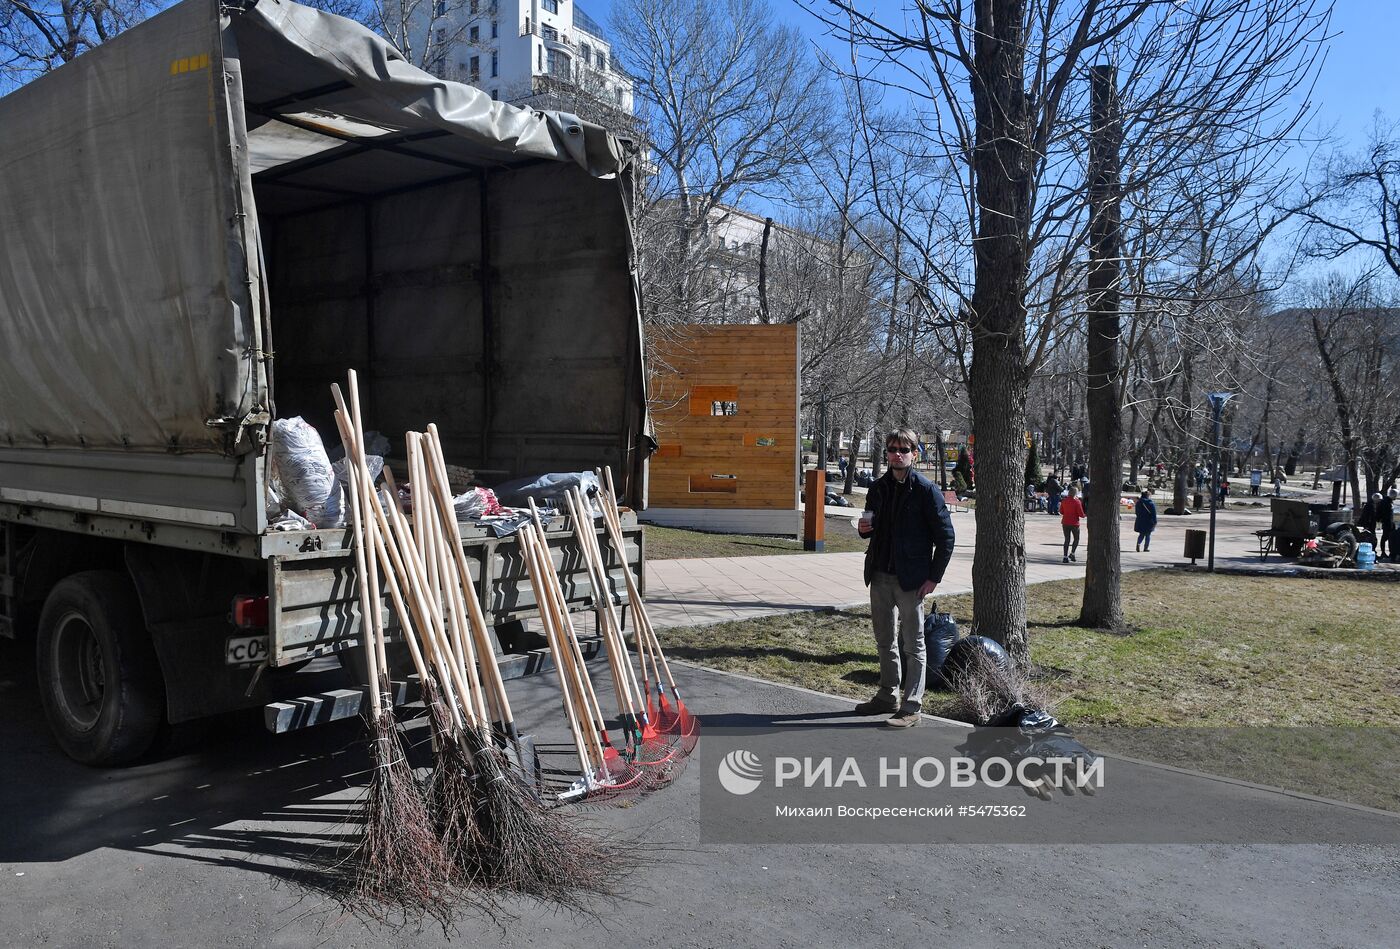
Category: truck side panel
<point>203,490</point>
<point>314,606</point>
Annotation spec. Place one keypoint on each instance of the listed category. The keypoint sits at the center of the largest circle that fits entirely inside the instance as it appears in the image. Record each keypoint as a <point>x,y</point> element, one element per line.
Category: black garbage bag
<point>1019,715</point>
<point>1022,733</point>
<point>940,634</point>
<point>965,652</point>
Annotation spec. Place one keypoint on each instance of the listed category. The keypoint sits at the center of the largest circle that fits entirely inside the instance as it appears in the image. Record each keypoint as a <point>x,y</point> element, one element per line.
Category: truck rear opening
<point>208,220</point>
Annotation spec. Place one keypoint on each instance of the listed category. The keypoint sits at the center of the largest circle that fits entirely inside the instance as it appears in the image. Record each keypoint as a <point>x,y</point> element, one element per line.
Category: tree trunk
<point>1290,466</point>
<point>1180,489</point>
<point>1343,407</point>
<point>763,271</point>
<point>997,385</point>
<point>1136,449</point>
<point>1103,606</point>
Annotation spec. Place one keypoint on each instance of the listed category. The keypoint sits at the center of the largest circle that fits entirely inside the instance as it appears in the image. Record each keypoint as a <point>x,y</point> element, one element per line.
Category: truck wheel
<point>1348,538</point>
<point>99,680</point>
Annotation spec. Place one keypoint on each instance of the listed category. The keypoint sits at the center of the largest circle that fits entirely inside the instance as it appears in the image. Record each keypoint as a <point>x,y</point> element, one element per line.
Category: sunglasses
<point>898,451</point>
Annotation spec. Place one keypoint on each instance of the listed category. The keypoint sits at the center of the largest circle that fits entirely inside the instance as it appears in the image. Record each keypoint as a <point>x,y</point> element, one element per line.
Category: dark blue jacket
<point>1146,517</point>
<point>923,532</point>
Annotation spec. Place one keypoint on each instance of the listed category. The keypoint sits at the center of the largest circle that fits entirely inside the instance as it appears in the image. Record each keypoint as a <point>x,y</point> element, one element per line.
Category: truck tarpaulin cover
<point>131,293</point>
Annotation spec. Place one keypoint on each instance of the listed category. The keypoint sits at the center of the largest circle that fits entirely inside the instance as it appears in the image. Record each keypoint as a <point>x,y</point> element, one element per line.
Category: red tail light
<point>250,612</point>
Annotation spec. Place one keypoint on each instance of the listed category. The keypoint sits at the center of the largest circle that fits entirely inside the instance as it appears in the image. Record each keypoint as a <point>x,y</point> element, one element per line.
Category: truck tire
<point>1348,537</point>
<point>99,679</point>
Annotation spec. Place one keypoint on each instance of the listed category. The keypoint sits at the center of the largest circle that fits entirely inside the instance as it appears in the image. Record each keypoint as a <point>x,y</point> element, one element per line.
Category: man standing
<point>1052,493</point>
<point>911,541</point>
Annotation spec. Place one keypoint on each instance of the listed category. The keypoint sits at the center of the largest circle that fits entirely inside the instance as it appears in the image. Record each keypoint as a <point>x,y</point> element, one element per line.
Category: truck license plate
<point>245,650</point>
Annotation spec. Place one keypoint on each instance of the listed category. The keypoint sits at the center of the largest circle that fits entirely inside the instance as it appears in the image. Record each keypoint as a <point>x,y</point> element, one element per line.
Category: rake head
<point>678,722</point>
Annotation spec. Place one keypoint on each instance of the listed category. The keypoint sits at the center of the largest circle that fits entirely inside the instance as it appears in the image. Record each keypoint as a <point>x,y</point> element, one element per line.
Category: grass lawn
<point>1209,651</point>
<point>673,543</point>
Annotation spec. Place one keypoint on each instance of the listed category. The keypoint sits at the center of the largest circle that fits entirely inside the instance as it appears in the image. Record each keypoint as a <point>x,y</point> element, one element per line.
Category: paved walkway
<point>702,591</point>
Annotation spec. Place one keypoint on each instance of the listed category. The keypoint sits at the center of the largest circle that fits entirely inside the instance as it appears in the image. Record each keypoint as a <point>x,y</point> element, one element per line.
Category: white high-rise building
<point>541,53</point>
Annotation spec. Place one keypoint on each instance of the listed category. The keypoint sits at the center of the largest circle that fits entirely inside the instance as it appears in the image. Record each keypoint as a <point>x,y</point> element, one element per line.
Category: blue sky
<point>1361,75</point>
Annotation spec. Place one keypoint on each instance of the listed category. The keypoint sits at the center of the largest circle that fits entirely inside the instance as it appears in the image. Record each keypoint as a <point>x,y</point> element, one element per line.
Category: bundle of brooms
<point>480,825</point>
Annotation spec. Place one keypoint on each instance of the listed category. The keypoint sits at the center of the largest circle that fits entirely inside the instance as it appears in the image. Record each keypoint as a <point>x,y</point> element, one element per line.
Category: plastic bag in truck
<point>300,466</point>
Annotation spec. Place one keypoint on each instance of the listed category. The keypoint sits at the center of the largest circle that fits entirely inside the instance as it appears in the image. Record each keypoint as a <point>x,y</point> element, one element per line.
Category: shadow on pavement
<point>697,654</point>
<point>771,721</point>
<point>236,795</point>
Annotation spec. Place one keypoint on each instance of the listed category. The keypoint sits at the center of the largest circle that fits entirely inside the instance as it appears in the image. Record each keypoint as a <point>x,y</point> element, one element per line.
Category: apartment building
<point>538,53</point>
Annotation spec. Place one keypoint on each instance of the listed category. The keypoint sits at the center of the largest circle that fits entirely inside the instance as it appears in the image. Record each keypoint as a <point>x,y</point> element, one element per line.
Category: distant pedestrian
<point>1145,521</point>
<point>1052,494</point>
<point>1366,518</point>
<point>1256,479</point>
<point>1071,513</point>
<point>1278,482</point>
<point>1385,513</point>
<point>1224,490</point>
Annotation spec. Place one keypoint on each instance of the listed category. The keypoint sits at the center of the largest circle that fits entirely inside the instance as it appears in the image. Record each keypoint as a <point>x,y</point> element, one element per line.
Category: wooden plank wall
<point>743,461</point>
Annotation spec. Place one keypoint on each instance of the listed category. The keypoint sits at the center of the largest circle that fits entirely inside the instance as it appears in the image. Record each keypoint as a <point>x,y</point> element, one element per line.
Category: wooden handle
<point>561,669</point>
<point>490,669</point>
<point>388,556</point>
<point>362,573</point>
<point>593,554</point>
<point>644,627</point>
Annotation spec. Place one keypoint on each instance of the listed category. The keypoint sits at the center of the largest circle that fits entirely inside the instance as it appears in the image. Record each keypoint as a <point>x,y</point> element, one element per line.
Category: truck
<point>206,222</point>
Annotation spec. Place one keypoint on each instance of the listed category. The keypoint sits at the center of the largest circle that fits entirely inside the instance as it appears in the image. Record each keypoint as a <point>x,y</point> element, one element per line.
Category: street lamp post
<point>1217,404</point>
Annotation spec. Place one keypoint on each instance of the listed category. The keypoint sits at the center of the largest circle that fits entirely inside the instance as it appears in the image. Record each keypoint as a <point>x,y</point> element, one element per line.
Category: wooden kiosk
<point>724,401</point>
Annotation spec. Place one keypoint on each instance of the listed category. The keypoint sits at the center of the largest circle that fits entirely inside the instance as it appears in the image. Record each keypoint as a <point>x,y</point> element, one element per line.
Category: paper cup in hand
<point>867,520</point>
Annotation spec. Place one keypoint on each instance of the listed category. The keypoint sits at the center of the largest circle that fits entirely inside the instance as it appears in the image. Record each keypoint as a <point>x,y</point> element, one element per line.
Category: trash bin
<point>1199,501</point>
<point>1195,545</point>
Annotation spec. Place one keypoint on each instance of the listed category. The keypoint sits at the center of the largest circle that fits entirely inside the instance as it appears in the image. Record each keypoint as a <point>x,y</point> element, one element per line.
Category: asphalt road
<point>216,846</point>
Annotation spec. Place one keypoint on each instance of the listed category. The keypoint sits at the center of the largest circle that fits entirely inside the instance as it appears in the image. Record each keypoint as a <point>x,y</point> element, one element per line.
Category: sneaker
<point>1066,560</point>
<point>1071,557</point>
<point>876,706</point>
<point>903,720</point>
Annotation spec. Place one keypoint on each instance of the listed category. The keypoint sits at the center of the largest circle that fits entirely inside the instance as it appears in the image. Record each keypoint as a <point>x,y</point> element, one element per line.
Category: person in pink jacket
<point>1071,513</point>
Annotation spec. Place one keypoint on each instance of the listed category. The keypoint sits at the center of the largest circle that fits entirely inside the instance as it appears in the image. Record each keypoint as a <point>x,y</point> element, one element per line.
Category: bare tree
<point>730,102</point>
<point>37,36</point>
<point>1353,203</point>
<point>1356,339</point>
<point>998,85</point>
<point>429,33</point>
